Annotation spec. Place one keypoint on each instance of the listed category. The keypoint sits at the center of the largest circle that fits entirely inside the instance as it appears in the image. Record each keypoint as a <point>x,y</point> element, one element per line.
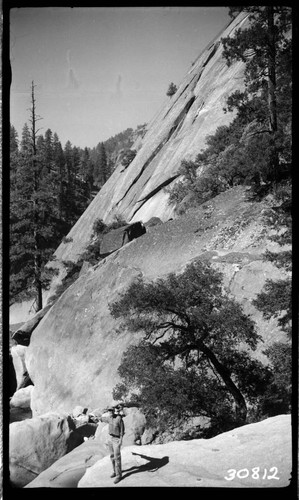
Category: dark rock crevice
<point>155,191</point>
<point>177,124</point>
<point>211,54</point>
<point>181,93</point>
<point>150,159</point>
<point>182,115</point>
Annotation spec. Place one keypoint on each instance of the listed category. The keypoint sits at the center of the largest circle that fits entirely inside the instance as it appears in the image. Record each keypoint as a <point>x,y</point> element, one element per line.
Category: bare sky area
<point>101,70</point>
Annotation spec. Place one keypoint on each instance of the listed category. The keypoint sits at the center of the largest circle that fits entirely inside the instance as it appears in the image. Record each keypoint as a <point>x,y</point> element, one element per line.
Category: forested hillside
<point>51,186</point>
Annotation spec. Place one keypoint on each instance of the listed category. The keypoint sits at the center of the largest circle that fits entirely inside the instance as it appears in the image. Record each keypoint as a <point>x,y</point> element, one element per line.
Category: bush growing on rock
<point>92,253</point>
<point>128,156</point>
<point>171,89</point>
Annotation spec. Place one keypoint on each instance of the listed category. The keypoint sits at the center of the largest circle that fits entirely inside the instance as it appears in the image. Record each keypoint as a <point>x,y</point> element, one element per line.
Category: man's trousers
<point>114,444</point>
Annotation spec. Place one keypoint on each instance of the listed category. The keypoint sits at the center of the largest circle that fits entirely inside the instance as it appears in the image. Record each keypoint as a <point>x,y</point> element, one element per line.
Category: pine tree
<point>265,48</point>
<point>31,234</point>
<point>14,143</point>
<point>69,183</point>
<point>171,89</point>
<point>85,173</point>
<point>59,161</point>
<point>14,152</point>
<point>101,173</point>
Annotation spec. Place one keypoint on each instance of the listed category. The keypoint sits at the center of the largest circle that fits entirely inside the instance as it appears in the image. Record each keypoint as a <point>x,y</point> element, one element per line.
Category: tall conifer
<point>31,233</point>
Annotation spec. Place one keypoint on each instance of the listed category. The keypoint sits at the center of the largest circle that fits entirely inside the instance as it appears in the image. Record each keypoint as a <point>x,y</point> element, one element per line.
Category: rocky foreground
<point>253,456</point>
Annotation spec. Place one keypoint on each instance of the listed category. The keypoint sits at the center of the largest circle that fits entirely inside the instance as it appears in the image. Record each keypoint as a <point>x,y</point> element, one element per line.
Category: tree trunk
<point>272,86</point>
<point>271,71</point>
<point>37,260</point>
<point>37,280</point>
<point>241,409</point>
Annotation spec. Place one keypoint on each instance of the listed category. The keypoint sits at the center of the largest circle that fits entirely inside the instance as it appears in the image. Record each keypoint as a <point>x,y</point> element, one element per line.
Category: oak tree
<point>191,320</point>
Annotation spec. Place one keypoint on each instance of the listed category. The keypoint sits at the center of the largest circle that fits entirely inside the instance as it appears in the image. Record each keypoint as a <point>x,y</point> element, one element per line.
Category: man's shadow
<point>153,465</point>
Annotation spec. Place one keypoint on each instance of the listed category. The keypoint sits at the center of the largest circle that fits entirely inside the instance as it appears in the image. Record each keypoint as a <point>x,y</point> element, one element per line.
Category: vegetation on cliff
<point>255,149</point>
<point>275,300</point>
<point>92,254</point>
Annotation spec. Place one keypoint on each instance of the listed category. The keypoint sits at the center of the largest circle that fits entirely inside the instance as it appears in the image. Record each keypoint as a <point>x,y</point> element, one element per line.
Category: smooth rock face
<point>22,397</point>
<point>177,132</point>
<point>76,349</point>
<point>80,331</point>
<point>35,444</point>
<point>12,376</point>
<point>134,426</point>
<point>22,334</point>
<point>79,410</point>
<point>17,414</point>
<point>69,469</point>
<point>18,357</point>
<point>253,456</point>
<point>199,462</point>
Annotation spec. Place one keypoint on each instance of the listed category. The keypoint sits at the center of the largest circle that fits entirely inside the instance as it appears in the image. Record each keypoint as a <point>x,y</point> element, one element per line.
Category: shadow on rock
<point>153,465</point>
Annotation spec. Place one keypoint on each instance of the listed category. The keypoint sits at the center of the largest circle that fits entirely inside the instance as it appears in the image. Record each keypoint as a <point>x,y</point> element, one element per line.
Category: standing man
<point>116,432</point>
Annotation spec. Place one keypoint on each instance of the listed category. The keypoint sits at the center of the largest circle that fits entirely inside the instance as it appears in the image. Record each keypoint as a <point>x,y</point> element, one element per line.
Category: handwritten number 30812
<point>255,473</point>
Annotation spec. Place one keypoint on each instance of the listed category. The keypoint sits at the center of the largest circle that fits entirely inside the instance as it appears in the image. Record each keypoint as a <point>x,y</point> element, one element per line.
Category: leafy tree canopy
<point>193,325</point>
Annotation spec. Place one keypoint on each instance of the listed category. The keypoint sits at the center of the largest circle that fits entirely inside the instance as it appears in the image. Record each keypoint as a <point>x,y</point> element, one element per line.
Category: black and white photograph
<point>150,250</point>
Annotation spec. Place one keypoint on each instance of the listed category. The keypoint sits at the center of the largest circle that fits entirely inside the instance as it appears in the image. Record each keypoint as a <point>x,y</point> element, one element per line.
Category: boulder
<point>12,376</point>
<point>18,358</point>
<point>22,398</point>
<point>112,241</point>
<point>101,434</point>
<point>134,421</point>
<point>97,412</point>
<point>17,414</point>
<point>148,436</point>
<point>35,444</point>
<point>153,221</point>
<point>69,469</point>
<point>22,335</point>
<point>79,410</point>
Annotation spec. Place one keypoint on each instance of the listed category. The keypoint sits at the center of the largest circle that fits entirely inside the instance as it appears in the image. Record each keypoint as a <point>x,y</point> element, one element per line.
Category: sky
<point>101,70</point>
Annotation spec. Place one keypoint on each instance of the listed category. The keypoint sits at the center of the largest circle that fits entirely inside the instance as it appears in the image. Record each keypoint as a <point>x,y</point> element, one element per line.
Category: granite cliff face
<point>75,350</point>
<point>177,132</point>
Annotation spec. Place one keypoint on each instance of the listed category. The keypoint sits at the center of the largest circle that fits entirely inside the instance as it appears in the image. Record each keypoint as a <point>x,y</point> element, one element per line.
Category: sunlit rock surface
<point>76,349</point>
<point>177,132</point>
<point>253,456</point>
